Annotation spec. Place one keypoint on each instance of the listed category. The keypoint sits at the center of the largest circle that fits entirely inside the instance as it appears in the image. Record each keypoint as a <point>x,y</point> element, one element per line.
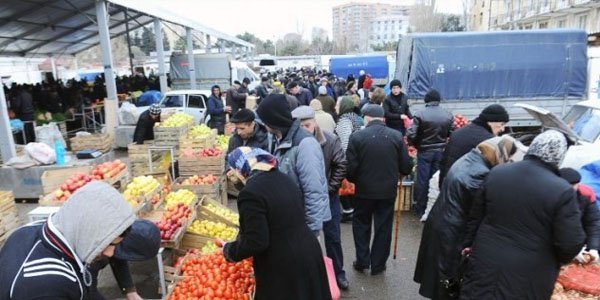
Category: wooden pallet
<point>102,142</point>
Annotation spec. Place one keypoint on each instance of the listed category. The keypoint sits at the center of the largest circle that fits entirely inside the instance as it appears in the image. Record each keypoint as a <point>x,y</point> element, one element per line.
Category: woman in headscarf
<point>348,121</point>
<point>288,263</point>
<point>530,225</point>
<point>441,242</point>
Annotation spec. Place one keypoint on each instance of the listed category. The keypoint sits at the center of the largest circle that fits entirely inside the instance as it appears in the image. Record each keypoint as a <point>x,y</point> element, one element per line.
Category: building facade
<point>353,23</point>
<point>535,14</point>
<point>387,29</point>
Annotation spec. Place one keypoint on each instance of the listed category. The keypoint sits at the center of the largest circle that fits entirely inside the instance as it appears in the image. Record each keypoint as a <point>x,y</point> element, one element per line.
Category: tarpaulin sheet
<point>376,65</point>
<point>506,64</point>
<point>210,67</point>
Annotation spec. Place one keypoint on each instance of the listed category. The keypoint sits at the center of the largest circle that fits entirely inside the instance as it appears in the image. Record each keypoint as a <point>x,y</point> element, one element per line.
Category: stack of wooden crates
<point>139,158</point>
<point>9,218</point>
<point>102,142</point>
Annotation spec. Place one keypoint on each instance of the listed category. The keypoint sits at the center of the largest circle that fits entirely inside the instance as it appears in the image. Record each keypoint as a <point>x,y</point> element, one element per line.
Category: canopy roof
<point>66,27</point>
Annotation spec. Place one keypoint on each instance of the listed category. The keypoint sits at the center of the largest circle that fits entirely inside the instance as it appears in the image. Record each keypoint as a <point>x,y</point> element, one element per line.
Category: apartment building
<point>534,14</point>
<point>387,29</point>
<point>353,26</point>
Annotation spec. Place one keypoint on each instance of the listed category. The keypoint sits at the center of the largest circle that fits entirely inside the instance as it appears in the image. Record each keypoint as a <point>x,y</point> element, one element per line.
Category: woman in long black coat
<point>441,242</point>
<point>288,263</point>
<point>531,224</point>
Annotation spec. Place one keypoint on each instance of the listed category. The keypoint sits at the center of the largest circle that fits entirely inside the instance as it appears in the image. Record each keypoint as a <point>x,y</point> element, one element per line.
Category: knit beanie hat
<point>274,111</point>
<point>571,175</point>
<point>432,96</point>
<point>494,113</point>
<point>395,82</point>
<point>322,90</point>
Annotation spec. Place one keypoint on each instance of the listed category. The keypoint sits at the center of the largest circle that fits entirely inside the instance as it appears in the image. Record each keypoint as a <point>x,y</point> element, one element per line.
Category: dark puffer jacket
<point>335,158</point>
<point>430,128</point>
<point>461,142</point>
<point>441,242</point>
<point>258,140</point>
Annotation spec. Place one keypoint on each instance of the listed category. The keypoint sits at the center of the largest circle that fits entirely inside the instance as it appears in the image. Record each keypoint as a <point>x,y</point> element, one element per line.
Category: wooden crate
<point>9,218</point>
<point>202,165</point>
<point>404,196</point>
<point>199,190</point>
<point>194,241</point>
<point>169,136</point>
<point>139,153</point>
<point>170,271</point>
<point>52,179</point>
<point>205,214</point>
<point>102,142</point>
<point>196,143</point>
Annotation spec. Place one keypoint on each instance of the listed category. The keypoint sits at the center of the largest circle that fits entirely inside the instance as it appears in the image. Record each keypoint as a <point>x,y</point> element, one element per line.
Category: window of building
<point>543,25</point>
<point>562,23</point>
<point>528,26</point>
<point>480,18</point>
<point>378,37</point>
<point>483,3</point>
<point>582,20</point>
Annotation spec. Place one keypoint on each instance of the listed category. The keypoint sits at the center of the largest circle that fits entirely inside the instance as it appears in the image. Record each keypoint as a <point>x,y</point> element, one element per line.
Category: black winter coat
<point>531,225</point>
<point>395,107</point>
<point>376,156</point>
<point>288,263</point>
<point>144,129</point>
<point>461,142</point>
<point>441,241</point>
<point>258,140</point>
<point>335,159</point>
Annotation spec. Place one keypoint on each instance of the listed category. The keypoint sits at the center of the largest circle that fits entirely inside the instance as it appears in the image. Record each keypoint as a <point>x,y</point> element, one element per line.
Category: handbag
<point>452,286</point>
<point>333,288</point>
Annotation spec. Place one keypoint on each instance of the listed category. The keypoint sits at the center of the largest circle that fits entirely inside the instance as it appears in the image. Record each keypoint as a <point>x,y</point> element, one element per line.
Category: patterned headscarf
<point>550,147</point>
<point>246,159</point>
<point>498,150</point>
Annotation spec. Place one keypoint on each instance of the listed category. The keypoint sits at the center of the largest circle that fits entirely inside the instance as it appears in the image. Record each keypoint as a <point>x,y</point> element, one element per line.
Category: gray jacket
<point>300,157</point>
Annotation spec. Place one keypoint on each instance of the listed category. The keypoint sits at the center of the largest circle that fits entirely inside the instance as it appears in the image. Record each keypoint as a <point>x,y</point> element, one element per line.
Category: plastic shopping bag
<point>41,152</point>
<point>347,188</point>
<point>49,134</point>
<point>128,114</point>
<point>335,290</point>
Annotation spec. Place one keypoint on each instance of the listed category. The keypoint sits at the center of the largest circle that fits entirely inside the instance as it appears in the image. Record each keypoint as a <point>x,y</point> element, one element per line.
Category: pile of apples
<point>70,186</point>
<point>205,152</point>
<point>222,142</point>
<point>179,260</point>
<point>225,213</point>
<point>178,119</point>
<point>209,248</point>
<point>200,180</point>
<point>460,121</point>
<point>173,219</point>
<point>140,187</point>
<point>213,229</point>
<point>182,196</point>
<point>199,131</point>
<point>108,170</point>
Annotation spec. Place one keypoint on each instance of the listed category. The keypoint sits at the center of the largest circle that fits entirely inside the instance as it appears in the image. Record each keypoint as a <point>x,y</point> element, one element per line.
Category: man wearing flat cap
<point>376,157</point>
<point>247,132</point>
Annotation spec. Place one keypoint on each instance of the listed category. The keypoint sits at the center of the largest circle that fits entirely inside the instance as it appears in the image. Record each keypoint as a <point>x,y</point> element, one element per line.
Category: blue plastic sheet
<point>375,65</point>
<point>148,98</point>
<point>590,175</point>
<point>491,65</point>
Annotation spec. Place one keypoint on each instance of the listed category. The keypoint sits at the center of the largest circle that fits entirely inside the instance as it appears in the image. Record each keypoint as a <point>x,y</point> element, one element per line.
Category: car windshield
<point>585,122</point>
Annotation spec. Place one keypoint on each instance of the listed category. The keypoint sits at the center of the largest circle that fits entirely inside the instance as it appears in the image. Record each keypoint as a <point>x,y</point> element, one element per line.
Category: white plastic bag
<point>49,134</point>
<point>41,153</point>
<point>128,114</point>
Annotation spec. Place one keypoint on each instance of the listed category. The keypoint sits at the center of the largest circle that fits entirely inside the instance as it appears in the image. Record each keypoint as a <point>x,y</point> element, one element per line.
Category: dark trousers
<point>428,162</point>
<point>29,130</point>
<point>381,213</point>
<point>332,232</point>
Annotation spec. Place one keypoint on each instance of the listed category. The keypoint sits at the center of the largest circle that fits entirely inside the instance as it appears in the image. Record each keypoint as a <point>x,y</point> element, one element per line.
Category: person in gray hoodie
<point>50,259</point>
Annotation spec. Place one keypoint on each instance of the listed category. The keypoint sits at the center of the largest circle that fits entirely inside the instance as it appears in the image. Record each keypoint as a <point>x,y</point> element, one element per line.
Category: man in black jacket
<point>262,90</point>
<point>22,106</point>
<point>144,129</point>
<point>247,132</point>
<point>376,156</point>
<point>429,132</point>
<point>335,170</point>
<point>396,107</point>
<point>490,123</point>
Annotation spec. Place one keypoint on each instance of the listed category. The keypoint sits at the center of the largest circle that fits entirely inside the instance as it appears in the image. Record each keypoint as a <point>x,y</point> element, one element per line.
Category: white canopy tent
<point>52,28</point>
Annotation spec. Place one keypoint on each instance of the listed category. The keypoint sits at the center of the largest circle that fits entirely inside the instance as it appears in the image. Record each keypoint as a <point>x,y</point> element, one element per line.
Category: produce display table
<point>27,183</point>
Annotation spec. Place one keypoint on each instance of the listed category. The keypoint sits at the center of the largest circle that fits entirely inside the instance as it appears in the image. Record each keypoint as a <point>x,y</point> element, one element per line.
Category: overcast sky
<point>271,19</point>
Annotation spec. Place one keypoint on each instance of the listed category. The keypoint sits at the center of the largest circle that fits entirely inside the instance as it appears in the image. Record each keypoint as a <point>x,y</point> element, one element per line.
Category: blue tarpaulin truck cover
<point>375,65</point>
<point>491,65</point>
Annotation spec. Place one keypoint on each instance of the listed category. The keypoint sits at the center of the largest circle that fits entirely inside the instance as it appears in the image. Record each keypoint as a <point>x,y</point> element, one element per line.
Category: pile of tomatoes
<point>212,277</point>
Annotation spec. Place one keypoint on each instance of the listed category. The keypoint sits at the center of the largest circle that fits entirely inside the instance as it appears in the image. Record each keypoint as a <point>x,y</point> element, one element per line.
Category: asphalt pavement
<point>395,283</point>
